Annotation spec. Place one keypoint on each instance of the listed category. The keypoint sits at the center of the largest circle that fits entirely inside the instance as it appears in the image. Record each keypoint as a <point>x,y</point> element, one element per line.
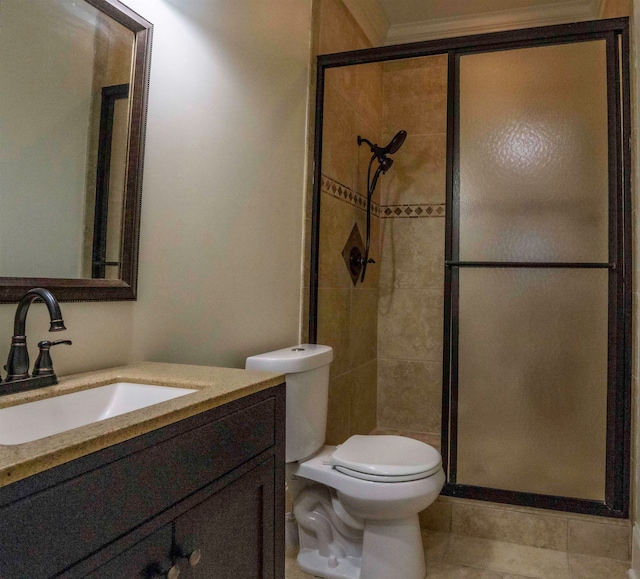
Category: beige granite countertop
<point>217,386</point>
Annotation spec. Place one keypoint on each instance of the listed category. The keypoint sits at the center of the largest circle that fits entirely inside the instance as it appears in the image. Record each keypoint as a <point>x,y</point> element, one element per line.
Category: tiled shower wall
<point>410,309</point>
<point>347,315</point>
<point>387,332</point>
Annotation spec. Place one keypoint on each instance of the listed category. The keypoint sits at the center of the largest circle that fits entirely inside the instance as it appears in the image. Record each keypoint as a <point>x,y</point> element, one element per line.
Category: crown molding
<point>371,18</point>
<point>495,21</point>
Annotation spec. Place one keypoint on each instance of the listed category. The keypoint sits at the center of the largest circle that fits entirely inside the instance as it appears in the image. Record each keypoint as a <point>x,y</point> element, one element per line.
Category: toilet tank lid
<point>293,359</point>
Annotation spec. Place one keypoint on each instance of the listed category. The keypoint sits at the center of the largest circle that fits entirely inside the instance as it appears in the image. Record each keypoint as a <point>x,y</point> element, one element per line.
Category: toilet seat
<point>319,469</point>
<point>386,458</point>
<point>366,498</point>
<point>385,479</point>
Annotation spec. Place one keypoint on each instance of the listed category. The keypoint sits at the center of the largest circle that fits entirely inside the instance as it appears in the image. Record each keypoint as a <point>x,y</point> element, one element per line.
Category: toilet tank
<point>306,368</point>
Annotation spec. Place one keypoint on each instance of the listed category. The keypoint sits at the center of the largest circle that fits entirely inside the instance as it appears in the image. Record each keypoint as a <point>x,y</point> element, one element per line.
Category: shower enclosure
<point>537,267</point>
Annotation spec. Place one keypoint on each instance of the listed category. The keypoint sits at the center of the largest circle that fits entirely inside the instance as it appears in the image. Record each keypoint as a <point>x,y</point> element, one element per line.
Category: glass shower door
<point>531,256</point>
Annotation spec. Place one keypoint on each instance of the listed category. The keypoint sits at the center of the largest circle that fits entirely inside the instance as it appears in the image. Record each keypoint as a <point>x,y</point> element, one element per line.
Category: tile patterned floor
<point>452,556</point>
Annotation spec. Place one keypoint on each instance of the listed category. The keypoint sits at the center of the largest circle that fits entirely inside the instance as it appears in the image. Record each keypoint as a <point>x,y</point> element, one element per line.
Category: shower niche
<point>493,321</point>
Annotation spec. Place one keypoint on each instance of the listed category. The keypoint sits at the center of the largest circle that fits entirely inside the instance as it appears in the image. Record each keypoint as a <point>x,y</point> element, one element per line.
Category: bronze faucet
<point>17,367</point>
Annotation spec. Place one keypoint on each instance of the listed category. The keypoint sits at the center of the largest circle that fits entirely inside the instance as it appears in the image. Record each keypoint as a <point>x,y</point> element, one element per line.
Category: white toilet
<point>356,504</point>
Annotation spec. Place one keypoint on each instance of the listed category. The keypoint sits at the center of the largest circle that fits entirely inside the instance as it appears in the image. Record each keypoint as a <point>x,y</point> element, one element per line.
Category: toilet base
<point>389,549</point>
<point>393,549</point>
<point>374,527</point>
<point>310,561</point>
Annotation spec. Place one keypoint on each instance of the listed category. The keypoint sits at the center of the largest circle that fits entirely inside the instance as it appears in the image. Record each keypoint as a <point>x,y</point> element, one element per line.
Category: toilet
<point>356,504</point>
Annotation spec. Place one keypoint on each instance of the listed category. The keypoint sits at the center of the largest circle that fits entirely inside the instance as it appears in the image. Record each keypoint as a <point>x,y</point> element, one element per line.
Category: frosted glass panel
<point>533,154</point>
<point>533,380</point>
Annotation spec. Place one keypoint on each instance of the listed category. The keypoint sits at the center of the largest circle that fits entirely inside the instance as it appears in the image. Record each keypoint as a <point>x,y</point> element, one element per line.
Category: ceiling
<point>399,21</point>
<point>411,11</point>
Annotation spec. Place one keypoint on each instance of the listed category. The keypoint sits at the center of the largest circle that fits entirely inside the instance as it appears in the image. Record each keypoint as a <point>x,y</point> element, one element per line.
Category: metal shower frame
<point>618,453</point>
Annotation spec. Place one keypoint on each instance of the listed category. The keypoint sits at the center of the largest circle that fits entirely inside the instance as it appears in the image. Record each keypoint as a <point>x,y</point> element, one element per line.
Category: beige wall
<point>347,314</point>
<point>221,237</point>
<point>222,200</point>
<point>101,334</point>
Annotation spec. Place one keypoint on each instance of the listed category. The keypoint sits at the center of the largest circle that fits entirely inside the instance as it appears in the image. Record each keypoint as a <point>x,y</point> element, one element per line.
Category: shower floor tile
<point>507,557</point>
<point>451,556</point>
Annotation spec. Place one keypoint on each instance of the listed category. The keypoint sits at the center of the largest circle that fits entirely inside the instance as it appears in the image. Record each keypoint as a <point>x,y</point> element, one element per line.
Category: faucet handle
<point>44,364</point>
<point>55,343</point>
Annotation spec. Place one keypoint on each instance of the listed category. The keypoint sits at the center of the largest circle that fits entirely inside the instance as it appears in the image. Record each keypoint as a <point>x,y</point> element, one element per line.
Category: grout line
<point>380,358</point>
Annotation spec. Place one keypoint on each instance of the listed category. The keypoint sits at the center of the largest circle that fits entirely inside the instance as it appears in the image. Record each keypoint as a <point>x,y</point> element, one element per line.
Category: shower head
<point>393,145</point>
<point>381,152</point>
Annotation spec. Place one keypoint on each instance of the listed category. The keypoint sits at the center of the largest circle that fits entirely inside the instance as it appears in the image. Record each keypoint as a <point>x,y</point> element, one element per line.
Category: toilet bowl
<point>356,504</point>
<point>384,513</point>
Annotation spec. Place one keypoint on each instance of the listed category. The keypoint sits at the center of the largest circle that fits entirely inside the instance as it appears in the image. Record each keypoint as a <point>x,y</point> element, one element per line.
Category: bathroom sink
<point>40,418</point>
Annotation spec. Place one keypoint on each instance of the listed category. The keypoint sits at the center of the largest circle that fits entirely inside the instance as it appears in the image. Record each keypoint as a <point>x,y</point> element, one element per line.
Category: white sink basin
<point>41,418</point>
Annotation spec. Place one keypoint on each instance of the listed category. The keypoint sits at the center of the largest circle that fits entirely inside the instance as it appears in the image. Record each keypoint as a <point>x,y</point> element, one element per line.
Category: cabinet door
<point>139,561</point>
<point>233,529</point>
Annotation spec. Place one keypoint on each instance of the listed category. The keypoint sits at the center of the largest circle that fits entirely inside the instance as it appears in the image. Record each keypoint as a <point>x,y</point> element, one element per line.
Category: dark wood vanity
<point>204,495</point>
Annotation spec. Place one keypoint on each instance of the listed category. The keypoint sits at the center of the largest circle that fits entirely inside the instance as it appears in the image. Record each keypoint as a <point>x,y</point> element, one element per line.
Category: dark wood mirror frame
<point>13,288</point>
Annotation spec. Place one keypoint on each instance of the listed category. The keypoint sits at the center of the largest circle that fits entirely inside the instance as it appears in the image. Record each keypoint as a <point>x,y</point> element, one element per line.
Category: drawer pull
<point>190,552</point>
<point>195,557</point>
<point>165,570</point>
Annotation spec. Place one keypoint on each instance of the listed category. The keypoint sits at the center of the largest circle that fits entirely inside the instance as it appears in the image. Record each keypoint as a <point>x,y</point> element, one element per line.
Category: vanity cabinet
<point>139,560</point>
<point>212,483</point>
<point>230,528</point>
<point>227,532</point>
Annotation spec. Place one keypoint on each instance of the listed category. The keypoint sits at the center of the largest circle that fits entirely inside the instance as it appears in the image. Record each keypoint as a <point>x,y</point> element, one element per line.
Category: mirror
<point>73,91</point>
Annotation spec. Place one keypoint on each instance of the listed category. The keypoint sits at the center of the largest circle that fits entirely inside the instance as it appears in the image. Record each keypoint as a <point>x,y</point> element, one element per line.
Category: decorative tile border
<point>344,193</point>
<point>413,211</point>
